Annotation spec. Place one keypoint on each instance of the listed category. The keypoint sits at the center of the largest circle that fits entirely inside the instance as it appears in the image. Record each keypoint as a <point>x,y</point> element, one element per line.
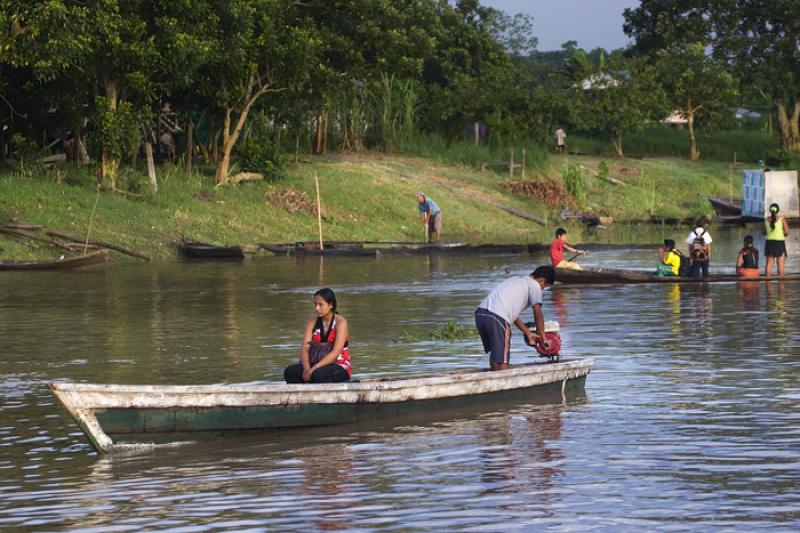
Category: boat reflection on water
<point>329,479</point>
<point>522,453</point>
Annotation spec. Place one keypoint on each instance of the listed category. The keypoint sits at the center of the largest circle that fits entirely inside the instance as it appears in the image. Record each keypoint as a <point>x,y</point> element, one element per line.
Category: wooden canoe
<point>204,250</point>
<point>725,207</point>
<point>77,261</point>
<point>119,416</point>
<point>611,275</point>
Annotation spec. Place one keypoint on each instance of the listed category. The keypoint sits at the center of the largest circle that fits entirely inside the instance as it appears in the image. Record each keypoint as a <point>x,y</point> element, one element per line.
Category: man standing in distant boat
<point>431,217</point>
<point>504,305</point>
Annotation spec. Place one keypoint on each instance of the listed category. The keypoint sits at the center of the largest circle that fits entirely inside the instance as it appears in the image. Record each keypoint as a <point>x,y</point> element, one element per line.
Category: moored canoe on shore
<point>116,416</point>
<point>203,250</point>
<point>77,261</point>
<point>611,275</point>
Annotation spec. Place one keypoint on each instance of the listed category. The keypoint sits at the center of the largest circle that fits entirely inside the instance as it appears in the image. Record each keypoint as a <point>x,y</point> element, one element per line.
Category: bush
<point>26,156</point>
<point>261,155</point>
<point>81,177</point>
<point>575,182</point>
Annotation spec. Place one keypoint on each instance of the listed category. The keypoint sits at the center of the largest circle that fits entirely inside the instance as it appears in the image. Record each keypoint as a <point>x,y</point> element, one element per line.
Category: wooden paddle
<point>571,259</point>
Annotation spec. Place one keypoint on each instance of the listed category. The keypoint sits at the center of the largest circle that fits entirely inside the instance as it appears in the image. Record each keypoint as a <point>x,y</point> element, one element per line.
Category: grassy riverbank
<point>365,196</point>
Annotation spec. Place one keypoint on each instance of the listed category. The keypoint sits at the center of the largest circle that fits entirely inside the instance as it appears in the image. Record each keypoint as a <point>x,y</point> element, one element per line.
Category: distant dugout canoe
<point>203,250</point>
<point>77,261</point>
<point>119,416</point>
<point>618,276</point>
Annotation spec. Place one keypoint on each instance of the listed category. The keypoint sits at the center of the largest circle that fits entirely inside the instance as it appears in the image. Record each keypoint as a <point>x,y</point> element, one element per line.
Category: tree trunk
<point>794,133</point>
<point>694,153</point>
<point>229,137</point>
<point>224,162</point>
<point>108,163</point>
<point>318,145</point>
<point>783,122</point>
<point>189,145</point>
<point>616,140</point>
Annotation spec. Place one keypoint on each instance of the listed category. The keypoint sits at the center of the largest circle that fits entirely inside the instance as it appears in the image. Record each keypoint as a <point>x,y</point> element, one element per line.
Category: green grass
<point>665,141</point>
<point>365,196</point>
<point>666,187</point>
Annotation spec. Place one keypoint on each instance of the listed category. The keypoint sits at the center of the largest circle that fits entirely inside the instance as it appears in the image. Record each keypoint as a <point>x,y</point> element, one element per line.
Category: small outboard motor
<point>551,333</point>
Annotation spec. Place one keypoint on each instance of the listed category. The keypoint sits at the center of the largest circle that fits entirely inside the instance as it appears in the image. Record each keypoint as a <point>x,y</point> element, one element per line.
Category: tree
<point>617,97</point>
<point>697,86</point>
<point>101,47</point>
<point>253,47</point>
<point>469,76</point>
<point>760,40</point>
<point>756,40</point>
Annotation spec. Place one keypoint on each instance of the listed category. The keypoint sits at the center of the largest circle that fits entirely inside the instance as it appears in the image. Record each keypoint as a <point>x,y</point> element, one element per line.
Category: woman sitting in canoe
<point>747,260</point>
<point>670,263</point>
<point>324,355</point>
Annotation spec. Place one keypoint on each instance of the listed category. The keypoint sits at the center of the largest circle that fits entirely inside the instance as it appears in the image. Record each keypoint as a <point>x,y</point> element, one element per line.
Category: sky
<point>592,23</point>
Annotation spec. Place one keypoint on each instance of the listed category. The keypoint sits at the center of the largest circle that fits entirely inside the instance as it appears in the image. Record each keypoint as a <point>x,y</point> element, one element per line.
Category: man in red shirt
<point>557,248</point>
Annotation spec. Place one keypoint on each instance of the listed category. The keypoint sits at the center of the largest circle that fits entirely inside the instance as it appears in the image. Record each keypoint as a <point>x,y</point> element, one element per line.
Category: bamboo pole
<point>91,218</point>
<point>319,212</point>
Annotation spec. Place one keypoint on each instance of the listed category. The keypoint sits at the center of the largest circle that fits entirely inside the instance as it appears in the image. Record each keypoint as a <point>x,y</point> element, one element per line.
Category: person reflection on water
<point>325,354</point>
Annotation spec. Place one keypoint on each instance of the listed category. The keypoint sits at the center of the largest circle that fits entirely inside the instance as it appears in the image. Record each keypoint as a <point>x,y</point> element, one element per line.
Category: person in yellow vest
<point>775,230</point>
<point>670,264</point>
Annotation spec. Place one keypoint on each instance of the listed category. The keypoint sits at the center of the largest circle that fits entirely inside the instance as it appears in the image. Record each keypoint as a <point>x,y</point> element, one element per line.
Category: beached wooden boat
<point>77,261</point>
<point>611,275</point>
<point>118,416</point>
<point>204,250</point>
<point>725,207</point>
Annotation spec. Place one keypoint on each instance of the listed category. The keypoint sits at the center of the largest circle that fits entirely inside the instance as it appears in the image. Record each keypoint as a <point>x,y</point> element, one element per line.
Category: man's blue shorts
<point>495,333</point>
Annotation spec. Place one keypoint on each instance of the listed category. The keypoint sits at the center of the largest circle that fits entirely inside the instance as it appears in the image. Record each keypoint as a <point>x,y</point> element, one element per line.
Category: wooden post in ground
<point>477,133</point>
<point>523,163</point>
<point>319,212</point>
<point>151,167</point>
<point>511,164</point>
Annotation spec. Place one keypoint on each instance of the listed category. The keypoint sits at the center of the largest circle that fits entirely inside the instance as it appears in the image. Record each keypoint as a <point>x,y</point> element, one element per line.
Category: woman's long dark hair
<point>773,216</point>
<point>327,295</point>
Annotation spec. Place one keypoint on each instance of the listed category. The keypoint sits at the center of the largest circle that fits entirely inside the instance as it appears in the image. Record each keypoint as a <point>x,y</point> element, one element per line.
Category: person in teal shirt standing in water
<point>431,216</point>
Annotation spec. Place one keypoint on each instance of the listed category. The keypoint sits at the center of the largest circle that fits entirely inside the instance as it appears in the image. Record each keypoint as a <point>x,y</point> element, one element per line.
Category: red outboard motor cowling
<point>551,333</point>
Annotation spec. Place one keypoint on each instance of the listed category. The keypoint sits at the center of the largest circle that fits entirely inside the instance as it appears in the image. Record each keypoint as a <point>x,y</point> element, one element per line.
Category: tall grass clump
<point>659,140</point>
<point>397,111</point>
<point>479,156</point>
<point>574,182</point>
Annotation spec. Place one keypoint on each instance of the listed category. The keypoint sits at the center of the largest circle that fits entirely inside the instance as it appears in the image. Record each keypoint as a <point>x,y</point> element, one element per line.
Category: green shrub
<point>26,156</point>
<point>81,177</point>
<point>574,182</point>
<point>263,156</point>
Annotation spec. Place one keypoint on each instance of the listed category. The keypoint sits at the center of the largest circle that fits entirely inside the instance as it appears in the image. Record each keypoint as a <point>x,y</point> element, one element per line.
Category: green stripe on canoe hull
<point>130,426</point>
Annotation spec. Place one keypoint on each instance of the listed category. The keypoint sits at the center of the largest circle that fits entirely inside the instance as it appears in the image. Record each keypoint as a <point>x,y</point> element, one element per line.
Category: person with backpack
<point>699,242</point>
<point>747,260</point>
<point>775,230</point>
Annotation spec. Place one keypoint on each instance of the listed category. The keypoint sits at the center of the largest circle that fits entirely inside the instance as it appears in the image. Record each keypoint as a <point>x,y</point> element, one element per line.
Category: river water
<point>690,420</point>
